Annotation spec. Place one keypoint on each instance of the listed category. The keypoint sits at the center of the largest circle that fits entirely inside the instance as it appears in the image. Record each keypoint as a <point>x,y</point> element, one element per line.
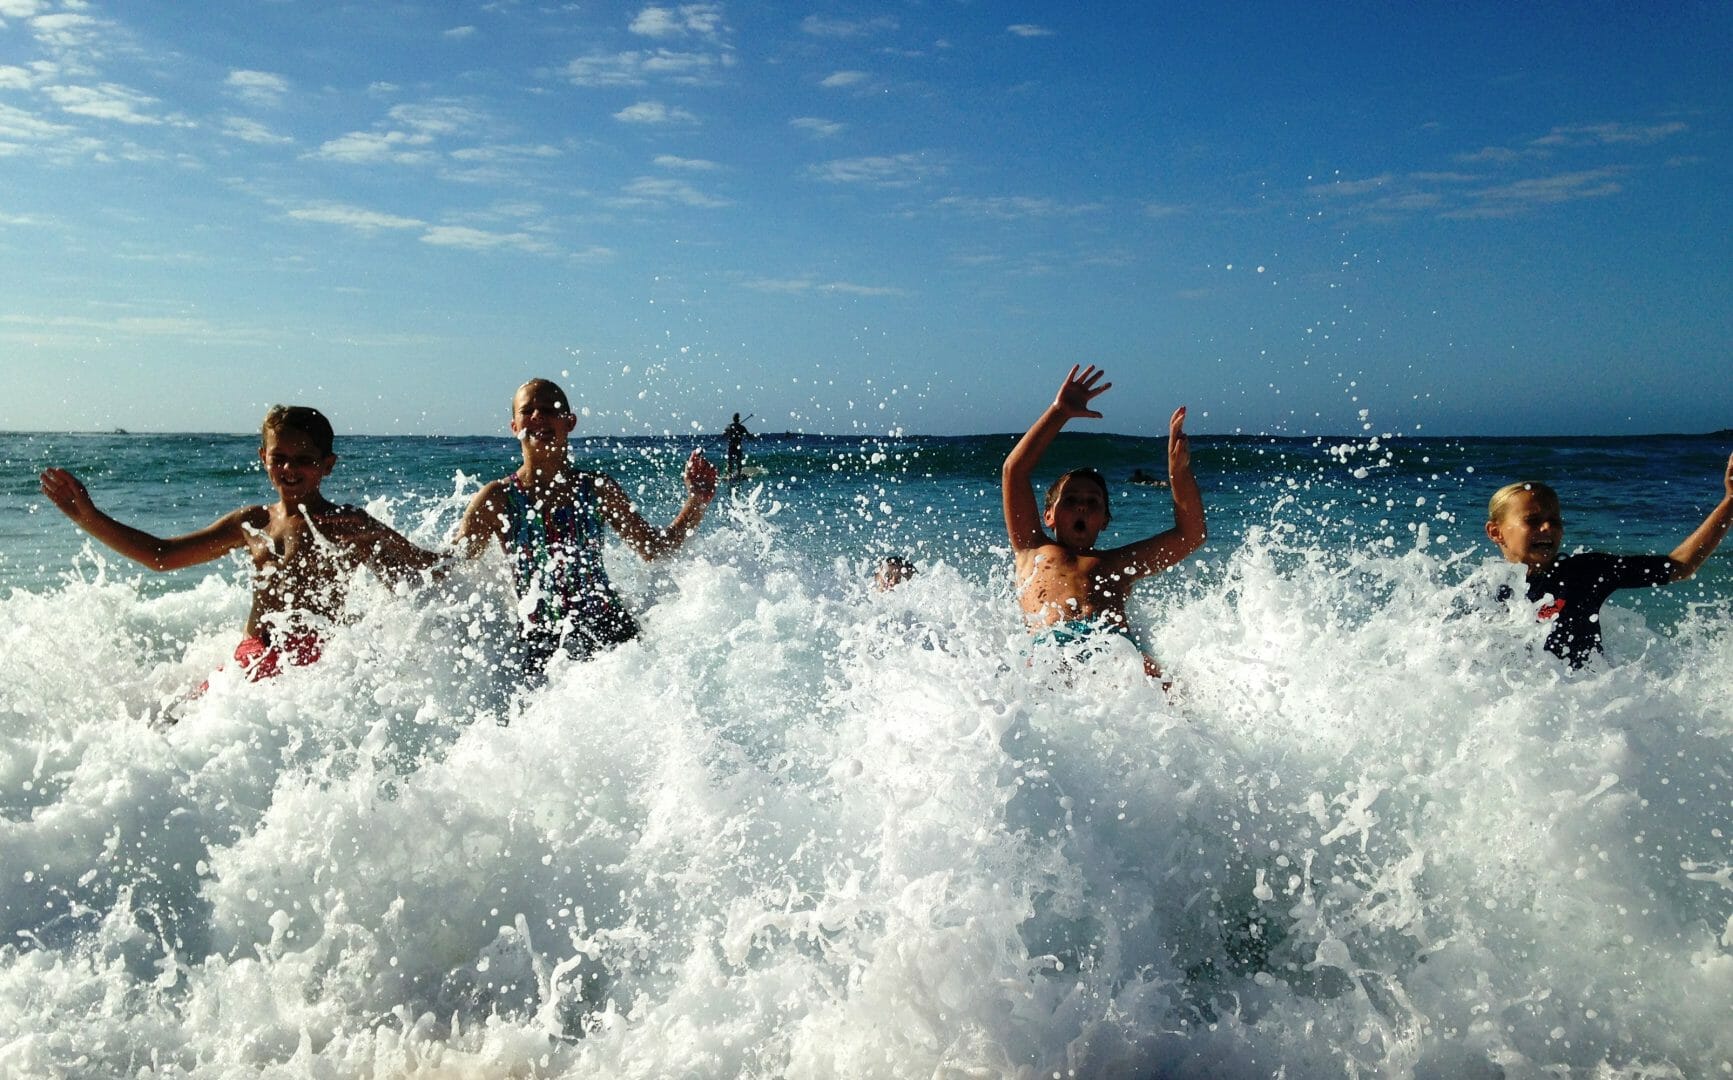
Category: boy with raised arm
<point>1523,519</point>
<point>304,547</point>
<point>548,516</point>
<point>1069,589</point>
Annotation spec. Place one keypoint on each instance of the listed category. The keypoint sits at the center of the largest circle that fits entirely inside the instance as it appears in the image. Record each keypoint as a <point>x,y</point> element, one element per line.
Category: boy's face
<point>1530,530</point>
<point>1078,513</point>
<point>293,462</point>
<point>540,416</point>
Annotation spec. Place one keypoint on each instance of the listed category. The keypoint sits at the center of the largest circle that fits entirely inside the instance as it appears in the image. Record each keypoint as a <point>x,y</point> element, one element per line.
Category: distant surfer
<point>548,516</point>
<point>736,435</point>
<point>1146,478</point>
<point>1069,590</point>
<point>304,547</point>
<point>1525,521</point>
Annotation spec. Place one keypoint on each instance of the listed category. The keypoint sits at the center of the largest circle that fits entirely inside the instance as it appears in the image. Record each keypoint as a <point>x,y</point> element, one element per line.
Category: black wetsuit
<point>1576,586</point>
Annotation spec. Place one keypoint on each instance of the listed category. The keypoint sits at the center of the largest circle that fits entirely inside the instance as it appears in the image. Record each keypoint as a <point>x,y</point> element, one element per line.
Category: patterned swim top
<point>562,583</point>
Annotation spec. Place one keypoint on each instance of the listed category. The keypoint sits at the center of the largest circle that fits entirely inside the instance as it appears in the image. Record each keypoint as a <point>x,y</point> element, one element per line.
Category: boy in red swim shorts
<point>304,547</point>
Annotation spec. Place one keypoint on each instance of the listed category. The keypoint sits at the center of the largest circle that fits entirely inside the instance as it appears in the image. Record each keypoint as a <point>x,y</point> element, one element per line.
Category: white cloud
<point>66,30</point>
<point>1011,207</point>
<point>353,217</point>
<point>818,26</point>
<point>1610,134</point>
<point>704,20</point>
<point>1522,196</point>
<point>249,130</point>
<point>13,77</point>
<point>105,102</point>
<point>816,127</point>
<point>669,161</point>
<point>23,132</point>
<point>462,236</point>
<point>366,147</point>
<point>843,78</point>
<point>656,189</point>
<point>19,9</point>
<point>896,170</point>
<point>499,152</point>
<point>797,286</point>
<point>1028,30</point>
<point>1491,155</point>
<point>443,118</point>
<point>1351,188</point>
<point>458,33</point>
<point>654,112</point>
<point>260,88</point>
<point>634,68</point>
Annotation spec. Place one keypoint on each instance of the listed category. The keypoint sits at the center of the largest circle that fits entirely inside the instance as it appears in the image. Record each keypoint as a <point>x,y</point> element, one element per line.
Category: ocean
<point>804,828</point>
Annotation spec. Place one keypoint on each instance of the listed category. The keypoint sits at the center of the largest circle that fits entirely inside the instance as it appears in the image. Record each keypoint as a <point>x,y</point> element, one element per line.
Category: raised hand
<point>1079,390</point>
<point>67,492</point>
<point>1178,445</point>
<point>700,476</point>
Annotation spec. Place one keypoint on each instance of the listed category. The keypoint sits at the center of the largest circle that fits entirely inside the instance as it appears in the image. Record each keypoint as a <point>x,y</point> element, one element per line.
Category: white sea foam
<point>802,828</point>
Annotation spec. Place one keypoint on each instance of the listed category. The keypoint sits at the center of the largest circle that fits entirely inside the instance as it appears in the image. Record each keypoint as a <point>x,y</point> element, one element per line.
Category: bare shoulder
<point>256,517</point>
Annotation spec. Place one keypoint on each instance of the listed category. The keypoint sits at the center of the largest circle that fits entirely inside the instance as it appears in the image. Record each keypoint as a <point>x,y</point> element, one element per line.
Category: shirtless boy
<point>1523,519</point>
<point>1067,587</point>
<point>304,547</point>
<point>548,516</point>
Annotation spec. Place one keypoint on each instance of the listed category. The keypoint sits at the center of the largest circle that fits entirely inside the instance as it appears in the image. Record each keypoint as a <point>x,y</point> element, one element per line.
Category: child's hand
<point>65,491</point>
<point>1079,390</point>
<point>1178,446</point>
<point>700,476</point>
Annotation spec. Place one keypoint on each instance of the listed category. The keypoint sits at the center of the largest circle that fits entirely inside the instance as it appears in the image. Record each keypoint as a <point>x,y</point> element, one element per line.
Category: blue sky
<point>1471,218</point>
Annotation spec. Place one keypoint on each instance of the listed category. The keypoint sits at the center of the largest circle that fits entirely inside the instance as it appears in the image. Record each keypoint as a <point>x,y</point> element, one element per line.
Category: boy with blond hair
<point>1524,520</point>
<point>1067,587</point>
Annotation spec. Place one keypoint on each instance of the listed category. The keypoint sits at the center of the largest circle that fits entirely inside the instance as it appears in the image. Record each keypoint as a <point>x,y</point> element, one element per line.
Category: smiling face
<point>541,417</point>
<point>1528,529</point>
<point>1077,511</point>
<point>295,462</point>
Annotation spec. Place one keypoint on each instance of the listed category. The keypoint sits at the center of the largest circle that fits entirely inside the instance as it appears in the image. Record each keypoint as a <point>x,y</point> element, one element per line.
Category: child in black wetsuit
<point>1523,520</point>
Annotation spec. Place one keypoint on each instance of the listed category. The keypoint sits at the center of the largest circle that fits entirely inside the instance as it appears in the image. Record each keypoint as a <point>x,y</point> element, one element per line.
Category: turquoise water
<point>802,828</point>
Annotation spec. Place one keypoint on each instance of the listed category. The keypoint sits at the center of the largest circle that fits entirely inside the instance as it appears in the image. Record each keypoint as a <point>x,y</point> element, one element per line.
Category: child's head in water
<point>1523,519</point>
<point>893,571</point>
<point>295,448</point>
<point>1077,508</point>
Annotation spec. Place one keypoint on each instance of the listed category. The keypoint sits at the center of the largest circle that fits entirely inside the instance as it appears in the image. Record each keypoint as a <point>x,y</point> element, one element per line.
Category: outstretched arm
<point>388,553</point>
<point>1022,516</point>
<point>1701,544</point>
<point>225,534</point>
<point>1169,548</point>
<point>644,538</point>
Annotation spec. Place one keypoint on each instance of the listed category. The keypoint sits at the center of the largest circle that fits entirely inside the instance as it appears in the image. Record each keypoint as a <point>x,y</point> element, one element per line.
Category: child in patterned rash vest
<point>1523,519</point>
<point>548,516</point>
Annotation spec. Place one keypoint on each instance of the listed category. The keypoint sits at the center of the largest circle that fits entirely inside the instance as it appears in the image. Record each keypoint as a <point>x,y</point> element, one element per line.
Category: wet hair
<point>1500,500</point>
<point>894,570</point>
<point>538,384</point>
<point>303,418</point>
<point>1092,475</point>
